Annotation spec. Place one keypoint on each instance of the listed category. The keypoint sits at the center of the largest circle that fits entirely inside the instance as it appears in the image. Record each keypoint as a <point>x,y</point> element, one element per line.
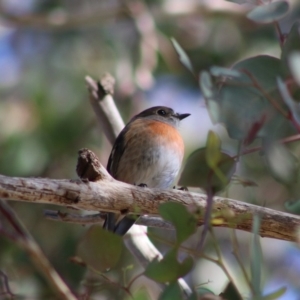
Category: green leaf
<point>289,101</point>
<point>213,155</point>
<point>213,149</point>
<point>210,96</point>
<point>184,222</point>
<point>282,163</point>
<point>269,13</point>
<point>184,59</point>
<point>220,71</point>
<point>204,291</point>
<point>256,257</point>
<point>197,172</point>
<point>292,44</point>
<point>294,65</point>
<point>293,207</point>
<point>140,294</point>
<point>172,291</point>
<point>168,269</point>
<point>243,106</point>
<point>193,296</point>
<point>230,292</point>
<point>275,295</point>
<point>100,249</point>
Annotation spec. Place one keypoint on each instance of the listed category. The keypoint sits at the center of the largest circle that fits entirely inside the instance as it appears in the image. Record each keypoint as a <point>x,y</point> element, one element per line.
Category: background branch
<point>20,236</point>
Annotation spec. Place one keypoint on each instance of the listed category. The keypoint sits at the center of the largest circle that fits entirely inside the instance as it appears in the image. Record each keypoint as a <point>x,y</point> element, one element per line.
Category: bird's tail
<point>119,227</point>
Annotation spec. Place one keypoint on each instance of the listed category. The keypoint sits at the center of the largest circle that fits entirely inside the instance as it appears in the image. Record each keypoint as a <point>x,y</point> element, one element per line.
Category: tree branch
<point>108,194</point>
<point>104,106</point>
<point>27,243</point>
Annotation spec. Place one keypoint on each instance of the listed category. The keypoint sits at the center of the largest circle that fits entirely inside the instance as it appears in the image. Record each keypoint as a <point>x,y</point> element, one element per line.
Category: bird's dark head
<point>163,114</point>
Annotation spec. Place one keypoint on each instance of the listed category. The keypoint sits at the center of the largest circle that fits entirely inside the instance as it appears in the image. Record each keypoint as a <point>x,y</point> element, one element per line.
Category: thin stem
<point>184,249</point>
<point>294,122</point>
<point>220,261</point>
<point>133,280</point>
<point>286,140</point>
<point>7,291</point>
<point>280,34</point>
<point>235,246</point>
<point>126,290</point>
<point>207,217</point>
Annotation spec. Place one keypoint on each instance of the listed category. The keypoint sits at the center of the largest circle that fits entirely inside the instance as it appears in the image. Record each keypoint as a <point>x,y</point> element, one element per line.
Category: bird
<point>147,152</point>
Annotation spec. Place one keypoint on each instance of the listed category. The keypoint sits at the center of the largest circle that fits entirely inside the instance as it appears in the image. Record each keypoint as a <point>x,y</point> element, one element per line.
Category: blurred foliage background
<point>46,50</point>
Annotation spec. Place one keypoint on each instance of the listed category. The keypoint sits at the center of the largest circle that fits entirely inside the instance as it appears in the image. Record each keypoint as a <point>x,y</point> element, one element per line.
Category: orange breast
<point>153,153</point>
<point>159,131</point>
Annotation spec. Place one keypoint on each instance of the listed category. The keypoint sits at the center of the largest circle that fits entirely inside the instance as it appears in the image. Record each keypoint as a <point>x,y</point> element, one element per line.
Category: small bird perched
<point>147,152</point>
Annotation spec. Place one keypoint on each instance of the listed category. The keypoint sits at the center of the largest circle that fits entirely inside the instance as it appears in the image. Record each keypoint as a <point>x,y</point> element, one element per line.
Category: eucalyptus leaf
<point>169,269</point>
<point>268,13</point>
<point>220,71</point>
<point>292,44</point>
<point>184,222</point>
<point>171,291</point>
<point>282,163</point>
<point>210,95</point>
<point>294,65</point>
<point>244,109</point>
<point>289,101</point>
<point>213,149</point>
<point>197,172</point>
<point>100,249</point>
<point>293,207</point>
<point>184,59</point>
<point>275,295</point>
<point>204,291</point>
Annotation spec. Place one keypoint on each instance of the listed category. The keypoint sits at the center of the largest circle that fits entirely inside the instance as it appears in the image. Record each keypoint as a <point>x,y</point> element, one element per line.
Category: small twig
<point>6,291</point>
<point>235,252</point>
<point>96,218</point>
<point>125,289</point>
<point>185,249</point>
<point>56,215</point>
<point>290,139</point>
<point>207,217</point>
<point>134,279</point>
<point>221,261</point>
<point>281,36</point>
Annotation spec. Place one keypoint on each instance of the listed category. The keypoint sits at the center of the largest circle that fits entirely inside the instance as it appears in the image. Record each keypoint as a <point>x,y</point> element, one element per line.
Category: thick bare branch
<point>104,106</point>
<point>111,195</point>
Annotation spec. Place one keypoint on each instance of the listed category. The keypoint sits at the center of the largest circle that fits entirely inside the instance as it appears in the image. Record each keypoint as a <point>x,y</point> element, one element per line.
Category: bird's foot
<point>183,188</point>
<point>142,185</point>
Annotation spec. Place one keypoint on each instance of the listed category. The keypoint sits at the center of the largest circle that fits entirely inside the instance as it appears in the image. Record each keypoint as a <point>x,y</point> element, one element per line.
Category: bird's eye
<point>161,112</point>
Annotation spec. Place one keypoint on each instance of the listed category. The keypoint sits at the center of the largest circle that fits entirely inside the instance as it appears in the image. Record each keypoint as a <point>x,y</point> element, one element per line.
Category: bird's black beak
<point>182,116</point>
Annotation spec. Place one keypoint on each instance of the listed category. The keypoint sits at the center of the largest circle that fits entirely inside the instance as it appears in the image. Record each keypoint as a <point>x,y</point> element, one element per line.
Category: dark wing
<point>117,151</point>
